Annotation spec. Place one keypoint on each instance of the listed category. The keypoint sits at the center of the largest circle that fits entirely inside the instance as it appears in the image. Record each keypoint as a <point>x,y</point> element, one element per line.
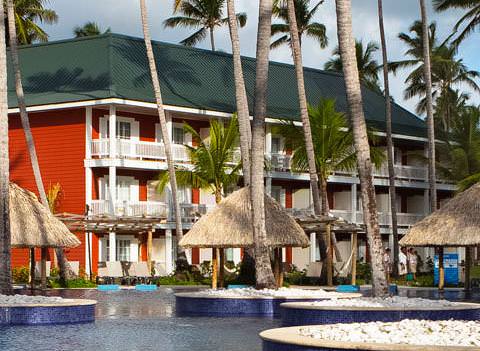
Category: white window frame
<point>134,257</point>
<point>282,145</point>
<point>134,127</point>
<point>282,194</point>
<point>134,187</point>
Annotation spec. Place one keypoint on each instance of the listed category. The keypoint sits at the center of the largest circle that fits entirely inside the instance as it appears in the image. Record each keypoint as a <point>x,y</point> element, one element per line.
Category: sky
<point>123,16</point>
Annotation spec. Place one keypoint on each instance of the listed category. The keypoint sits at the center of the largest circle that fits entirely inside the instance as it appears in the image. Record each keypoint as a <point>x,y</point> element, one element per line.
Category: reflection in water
<point>131,320</point>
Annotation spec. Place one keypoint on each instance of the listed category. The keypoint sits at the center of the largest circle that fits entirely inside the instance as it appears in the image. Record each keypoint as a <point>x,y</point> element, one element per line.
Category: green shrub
<point>71,284</point>
<point>20,275</point>
<point>176,280</point>
<point>364,272</point>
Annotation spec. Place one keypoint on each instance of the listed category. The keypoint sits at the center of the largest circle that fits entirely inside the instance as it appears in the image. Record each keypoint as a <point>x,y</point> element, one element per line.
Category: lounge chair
<point>140,272</point>
<point>115,271</point>
<point>102,274</point>
<point>38,269</point>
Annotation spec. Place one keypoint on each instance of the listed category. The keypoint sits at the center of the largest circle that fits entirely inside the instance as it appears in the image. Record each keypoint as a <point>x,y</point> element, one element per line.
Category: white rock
<point>413,332</point>
<point>12,300</point>
<point>392,302</point>
<point>282,292</point>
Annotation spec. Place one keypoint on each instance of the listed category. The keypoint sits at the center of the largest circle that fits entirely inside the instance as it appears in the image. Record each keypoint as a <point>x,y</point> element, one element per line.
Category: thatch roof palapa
<point>456,223</point>
<point>32,225</point>
<point>229,225</point>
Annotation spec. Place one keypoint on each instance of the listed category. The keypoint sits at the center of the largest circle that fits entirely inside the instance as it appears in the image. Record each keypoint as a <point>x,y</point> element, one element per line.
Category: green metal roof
<point>113,65</point>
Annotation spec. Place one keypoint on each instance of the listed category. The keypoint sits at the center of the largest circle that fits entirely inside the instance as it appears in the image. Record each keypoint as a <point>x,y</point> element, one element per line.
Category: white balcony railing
<point>137,149</point>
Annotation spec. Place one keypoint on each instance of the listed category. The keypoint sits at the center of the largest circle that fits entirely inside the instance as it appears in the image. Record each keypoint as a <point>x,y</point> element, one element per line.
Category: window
<point>178,135</point>
<point>123,250</point>
<point>277,194</point>
<point>276,145</point>
<point>124,130</point>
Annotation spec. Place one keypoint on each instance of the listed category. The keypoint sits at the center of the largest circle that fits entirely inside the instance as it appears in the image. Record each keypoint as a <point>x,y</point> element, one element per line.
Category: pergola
<point>456,223</point>
<point>328,225</point>
<point>32,225</point>
<point>110,223</point>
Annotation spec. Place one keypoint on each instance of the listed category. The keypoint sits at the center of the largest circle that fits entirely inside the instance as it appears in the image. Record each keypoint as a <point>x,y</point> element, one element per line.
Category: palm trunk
<point>221,251</point>
<point>5,249</point>
<point>302,98</point>
<point>264,274</point>
<point>240,94</point>
<point>364,164</point>
<point>212,39</point>
<point>390,147</point>
<point>182,263</point>
<point>430,123</point>
<point>66,271</point>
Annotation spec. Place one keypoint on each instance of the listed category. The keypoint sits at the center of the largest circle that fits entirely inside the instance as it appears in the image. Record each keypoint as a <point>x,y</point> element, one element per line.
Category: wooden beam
<point>149,249</point>
<point>329,256</point>
<point>354,258</point>
<point>221,271</point>
<point>43,268</point>
<point>441,270</point>
<point>468,265</point>
<point>214,269</point>
<point>32,268</point>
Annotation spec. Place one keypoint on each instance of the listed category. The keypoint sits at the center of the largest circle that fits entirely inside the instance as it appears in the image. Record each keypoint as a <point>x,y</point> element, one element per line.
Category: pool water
<point>132,320</point>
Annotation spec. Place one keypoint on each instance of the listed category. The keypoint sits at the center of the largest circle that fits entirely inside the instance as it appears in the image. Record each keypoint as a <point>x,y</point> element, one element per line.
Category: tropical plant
<point>470,20</point>
<point>54,193</point>
<point>204,14</point>
<point>214,168</point>
<point>66,271</point>
<point>89,29</point>
<point>182,263</point>
<point>304,22</point>
<point>346,45</point>
<point>5,249</point>
<point>28,15</point>
<point>332,141</point>
<point>214,163</point>
<point>447,72</point>
<point>367,66</point>
<point>264,275</point>
<point>390,146</point>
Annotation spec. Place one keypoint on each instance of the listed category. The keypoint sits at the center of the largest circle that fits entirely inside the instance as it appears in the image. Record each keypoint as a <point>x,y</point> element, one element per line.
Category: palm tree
<point>469,21</point>
<point>447,72</point>
<point>304,21</point>
<point>203,14</point>
<point>89,29</point>
<point>28,13</point>
<point>214,169</point>
<point>333,144</point>
<point>240,94</point>
<point>264,274</point>
<point>390,146</point>
<point>5,249</point>
<point>66,271</point>
<point>182,262</point>
<point>364,165</point>
<point>367,66</point>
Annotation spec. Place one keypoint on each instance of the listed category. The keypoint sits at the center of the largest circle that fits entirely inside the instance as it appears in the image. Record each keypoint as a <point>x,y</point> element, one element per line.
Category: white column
<point>88,252</point>
<point>112,129</point>
<point>168,251</point>
<point>268,139</point>
<point>112,250</point>
<point>237,257</point>
<point>168,117</point>
<point>353,198</point>
<point>112,188</point>
<point>88,132</point>
<point>313,247</point>
<point>88,187</point>
<point>426,202</point>
<point>268,183</point>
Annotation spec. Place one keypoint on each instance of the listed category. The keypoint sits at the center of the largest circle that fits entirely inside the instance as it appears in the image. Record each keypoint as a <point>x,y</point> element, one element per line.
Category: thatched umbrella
<point>229,225</point>
<point>32,225</point>
<point>456,223</point>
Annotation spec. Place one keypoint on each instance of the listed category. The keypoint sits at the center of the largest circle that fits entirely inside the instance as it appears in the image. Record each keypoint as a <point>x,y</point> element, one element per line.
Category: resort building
<point>96,131</point>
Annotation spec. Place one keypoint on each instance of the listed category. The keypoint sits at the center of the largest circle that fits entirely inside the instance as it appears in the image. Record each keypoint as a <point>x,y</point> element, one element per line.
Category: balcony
<point>135,149</point>
<point>190,212</point>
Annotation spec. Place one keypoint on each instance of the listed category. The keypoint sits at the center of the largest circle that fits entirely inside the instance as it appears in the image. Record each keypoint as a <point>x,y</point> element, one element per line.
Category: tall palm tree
<point>182,263</point>
<point>427,76</point>
<point>447,72</point>
<point>203,14</point>
<point>28,15</point>
<point>390,146</point>
<point>66,271</point>
<point>304,21</point>
<point>264,274</point>
<point>367,66</point>
<point>364,165</point>
<point>88,29</point>
<point>214,169</point>
<point>469,21</point>
<point>5,249</point>
<point>241,99</point>
<point>332,141</point>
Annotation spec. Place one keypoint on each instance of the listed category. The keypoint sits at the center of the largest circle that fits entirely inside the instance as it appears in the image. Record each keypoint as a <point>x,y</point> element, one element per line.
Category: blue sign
<point>450,265</point>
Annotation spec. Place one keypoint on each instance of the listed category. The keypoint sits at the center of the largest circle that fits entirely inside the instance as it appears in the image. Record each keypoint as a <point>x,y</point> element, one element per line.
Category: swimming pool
<point>131,320</point>
<point>146,321</point>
